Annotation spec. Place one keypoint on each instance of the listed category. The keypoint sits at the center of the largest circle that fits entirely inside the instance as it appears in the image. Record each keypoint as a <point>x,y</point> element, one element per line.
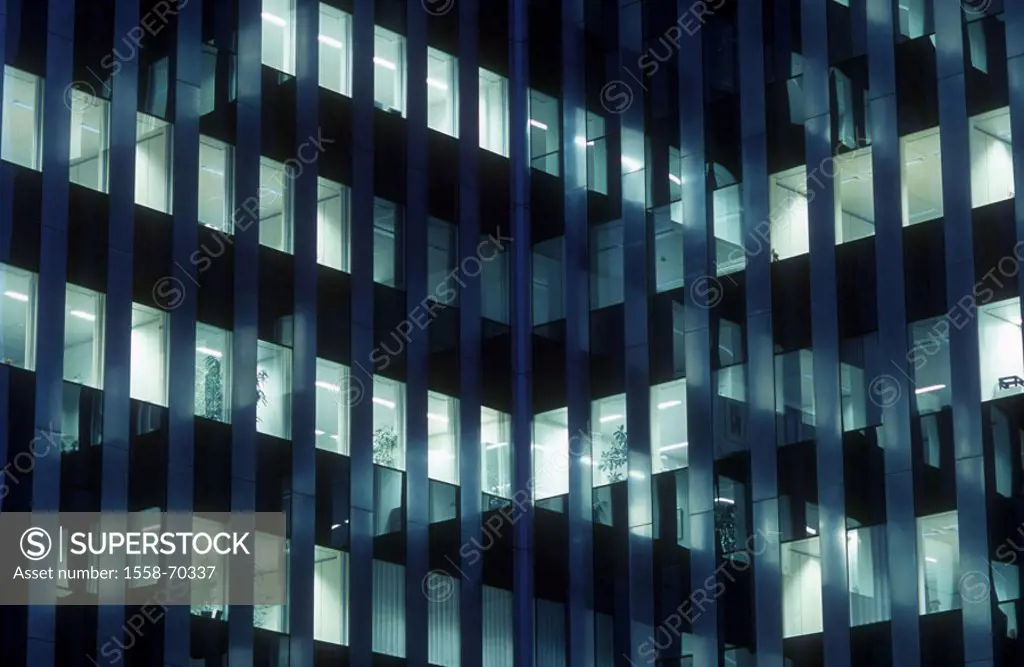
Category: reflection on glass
<point>669,444</point>
<point>442,92</point>
<point>335,50</point>
<point>332,225</point>
<point>493,112</point>
<point>149,355</point>
<point>387,244</point>
<point>921,177</point>
<point>153,163</point>
<point>496,460</point>
<point>273,390</point>
<point>389,71</point>
<point>216,159</point>
<point>551,454</point>
<point>991,158</point>
<point>545,133</point>
<point>331,432</point>
<point>279,34</point>
<point>938,563</point>
<point>801,588</point>
<point>443,437</point>
<point>868,567</point>
<point>90,140</point>
<point>607,279</point>
<point>275,205</point>
<point>929,364</point>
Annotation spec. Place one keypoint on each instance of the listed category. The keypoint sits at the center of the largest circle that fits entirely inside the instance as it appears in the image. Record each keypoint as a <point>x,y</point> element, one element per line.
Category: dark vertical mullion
<point>701,285</point>
<point>50,308</point>
<point>362,473</point>
<point>244,352</point>
<point>470,498</point>
<point>1013,18</point>
<point>417,465</point>
<point>637,352</point>
<point>301,568</point>
<point>117,323</point>
<point>760,349</point>
<point>821,213</point>
<point>963,341</point>
<point>581,643</point>
<point>901,558</point>
<point>522,333</point>
<point>187,82</point>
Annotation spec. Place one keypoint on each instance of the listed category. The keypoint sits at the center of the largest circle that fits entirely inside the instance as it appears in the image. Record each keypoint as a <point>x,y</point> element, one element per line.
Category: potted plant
<point>615,456</point>
<point>261,395</point>
<point>385,446</point>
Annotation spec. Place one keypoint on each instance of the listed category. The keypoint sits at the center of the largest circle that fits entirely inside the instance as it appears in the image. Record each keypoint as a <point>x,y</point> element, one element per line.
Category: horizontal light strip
<point>385,402</point>
<point>727,501</point>
<point>209,351</point>
<point>329,41</point>
<point>669,404</point>
<point>328,386</point>
<point>609,418</point>
<point>437,418</point>
<point>434,83</point>
<point>386,64</point>
<point>17,296</point>
<point>81,314</point>
<point>537,124</point>
<point>678,445</point>
<point>925,390</point>
<point>274,18</point>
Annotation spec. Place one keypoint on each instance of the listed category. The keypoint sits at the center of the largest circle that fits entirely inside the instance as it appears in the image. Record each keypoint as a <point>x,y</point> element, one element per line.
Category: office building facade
<point>564,333</point>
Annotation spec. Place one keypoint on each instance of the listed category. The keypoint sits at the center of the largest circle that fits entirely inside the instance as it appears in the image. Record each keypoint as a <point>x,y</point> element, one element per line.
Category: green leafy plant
<point>261,395</point>
<point>211,383</point>
<point>615,456</point>
<point>385,446</point>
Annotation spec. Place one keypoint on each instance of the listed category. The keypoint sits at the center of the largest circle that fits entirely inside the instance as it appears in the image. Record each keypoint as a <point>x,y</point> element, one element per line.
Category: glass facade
<point>711,361</point>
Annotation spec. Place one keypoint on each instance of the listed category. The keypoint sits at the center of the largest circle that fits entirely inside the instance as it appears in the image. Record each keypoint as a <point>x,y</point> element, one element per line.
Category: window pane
<point>668,246</point>
<point>275,206</point>
<point>389,70</point>
<point>856,194</point>
<point>149,355</point>
<point>443,437</point>
<point>388,422</point>
<point>929,362</point>
<point>17,317</point>
<point>21,139</point>
<point>215,163</point>
<point>610,440</point>
<point>938,563</point>
<point>279,35</point>
<point>729,253</point>
<point>547,281</point>
<point>441,250</point>
<point>788,202</point>
<point>273,390</point>
<point>668,427</point>
<point>868,565</point>
<point>493,112</point>
<point>442,92</point>
<point>545,133</point>
<point>332,225</point>
<point>494,283</point>
<point>153,163</point>
<point>495,435</point>
<point>1000,353</point>
<point>387,244</point>
<point>597,154</point>
<point>991,158</point>
<point>330,596</point>
<point>89,140</point>
<point>922,177</point>
<point>801,588</point>
<point>794,396</point>
<point>551,454</point>
<point>213,373</point>
<point>331,409</point>
<point>335,50</point>
<point>83,337</point>
<point>607,281</point>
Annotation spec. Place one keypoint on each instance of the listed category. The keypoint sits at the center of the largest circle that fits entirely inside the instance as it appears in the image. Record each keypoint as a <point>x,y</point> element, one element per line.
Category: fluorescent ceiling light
<point>609,418</point>
<point>582,141</point>
<point>636,474</point>
<point>318,432</point>
<point>630,163</point>
<point>335,436</point>
<point>328,386</point>
<point>678,445</point>
<point>22,105</point>
<point>537,124</point>
<point>669,404</point>
<point>586,460</point>
<point>385,402</point>
<point>811,531</point>
<point>540,447</point>
<point>386,64</point>
<point>930,559</point>
<point>338,525</point>
<point>496,445</point>
<point>274,18</point>
<point>17,296</point>
<point>437,418</point>
<point>434,83</point>
<point>675,179</point>
<point>81,314</point>
<point>925,390</point>
<point>329,41</point>
<point>727,501</point>
<point>211,170</point>
<point>209,351</point>
<point>90,128</point>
